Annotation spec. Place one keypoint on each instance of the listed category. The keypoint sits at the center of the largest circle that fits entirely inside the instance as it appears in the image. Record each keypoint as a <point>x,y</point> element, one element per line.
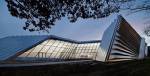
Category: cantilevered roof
<point>12,45</point>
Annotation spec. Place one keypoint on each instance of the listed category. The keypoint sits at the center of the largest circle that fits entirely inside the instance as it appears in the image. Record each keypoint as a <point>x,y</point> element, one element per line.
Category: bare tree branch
<point>42,14</point>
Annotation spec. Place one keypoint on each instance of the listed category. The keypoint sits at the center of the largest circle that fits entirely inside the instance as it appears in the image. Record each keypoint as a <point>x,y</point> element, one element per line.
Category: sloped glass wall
<point>56,50</point>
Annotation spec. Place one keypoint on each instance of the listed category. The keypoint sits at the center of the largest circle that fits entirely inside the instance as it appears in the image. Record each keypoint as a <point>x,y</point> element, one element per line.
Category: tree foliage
<point>42,14</point>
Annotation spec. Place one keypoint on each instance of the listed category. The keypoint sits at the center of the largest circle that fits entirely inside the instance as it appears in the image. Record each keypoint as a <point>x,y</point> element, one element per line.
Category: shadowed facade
<point>122,42</point>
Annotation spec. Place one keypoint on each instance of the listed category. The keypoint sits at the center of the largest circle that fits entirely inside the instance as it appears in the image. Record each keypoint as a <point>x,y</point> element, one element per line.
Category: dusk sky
<point>82,29</point>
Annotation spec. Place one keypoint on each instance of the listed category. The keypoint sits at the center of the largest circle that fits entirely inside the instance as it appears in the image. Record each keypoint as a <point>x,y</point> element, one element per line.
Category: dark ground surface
<point>124,68</point>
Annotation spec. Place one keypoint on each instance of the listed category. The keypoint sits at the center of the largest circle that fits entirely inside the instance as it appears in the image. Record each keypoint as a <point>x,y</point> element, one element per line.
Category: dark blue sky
<point>88,29</point>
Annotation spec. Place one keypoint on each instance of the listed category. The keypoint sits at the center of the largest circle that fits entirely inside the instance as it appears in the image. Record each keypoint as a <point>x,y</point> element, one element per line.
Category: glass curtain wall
<point>60,50</point>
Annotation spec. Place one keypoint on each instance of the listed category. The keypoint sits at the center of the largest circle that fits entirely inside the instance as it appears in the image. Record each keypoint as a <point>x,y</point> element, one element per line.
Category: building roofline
<point>59,38</point>
<point>49,37</point>
<point>72,41</point>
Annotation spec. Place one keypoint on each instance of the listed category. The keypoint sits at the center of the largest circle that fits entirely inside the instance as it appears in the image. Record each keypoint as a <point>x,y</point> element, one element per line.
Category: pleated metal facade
<point>123,43</point>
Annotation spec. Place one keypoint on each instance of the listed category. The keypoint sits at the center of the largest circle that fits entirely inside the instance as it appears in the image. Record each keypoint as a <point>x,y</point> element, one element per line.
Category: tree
<point>42,14</point>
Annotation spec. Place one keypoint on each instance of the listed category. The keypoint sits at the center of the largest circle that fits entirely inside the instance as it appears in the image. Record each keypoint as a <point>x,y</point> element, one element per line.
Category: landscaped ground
<point>125,68</point>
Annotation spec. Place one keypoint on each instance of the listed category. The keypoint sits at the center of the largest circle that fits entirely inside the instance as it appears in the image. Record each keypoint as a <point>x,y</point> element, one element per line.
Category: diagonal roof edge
<point>17,47</point>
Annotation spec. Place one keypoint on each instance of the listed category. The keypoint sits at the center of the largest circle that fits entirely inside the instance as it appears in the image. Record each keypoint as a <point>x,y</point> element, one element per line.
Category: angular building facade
<point>46,48</point>
<point>59,49</point>
<point>120,42</point>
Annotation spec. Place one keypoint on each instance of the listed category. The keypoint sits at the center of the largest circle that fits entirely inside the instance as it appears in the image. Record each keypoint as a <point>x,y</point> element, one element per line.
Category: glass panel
<point>45,42</point>
<point>56,43</point>
<point>26,53</point>
<point>51,49</point>
<point>60,44</point>
<point>50,42</point>
<point>53,55</point>
<point>35,51</point>
<point>38,48</point>
<point>62,50</point>
<point>45,49</point>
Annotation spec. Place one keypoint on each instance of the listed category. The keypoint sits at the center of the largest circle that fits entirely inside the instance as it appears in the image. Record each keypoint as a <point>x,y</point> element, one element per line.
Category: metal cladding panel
<point>120,41</point>
<point>9,46</point>
<point>107,40</point>
<point>126,40</point>
<point>146,50</point>
<point>142,50</point>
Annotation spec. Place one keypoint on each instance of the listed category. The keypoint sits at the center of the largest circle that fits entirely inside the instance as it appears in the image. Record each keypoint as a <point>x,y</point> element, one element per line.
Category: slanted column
<point>142,49</point>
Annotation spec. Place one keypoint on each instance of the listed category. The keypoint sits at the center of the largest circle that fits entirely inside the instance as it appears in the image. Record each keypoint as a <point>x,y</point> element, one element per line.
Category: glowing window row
<point>60,49</point>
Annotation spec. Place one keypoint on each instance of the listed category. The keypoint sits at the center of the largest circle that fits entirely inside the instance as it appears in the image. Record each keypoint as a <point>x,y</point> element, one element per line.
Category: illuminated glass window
<point>61,50</point>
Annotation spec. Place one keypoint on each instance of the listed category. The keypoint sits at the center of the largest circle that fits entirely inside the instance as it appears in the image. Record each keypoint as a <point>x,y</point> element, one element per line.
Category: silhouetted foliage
<point>42,14</point>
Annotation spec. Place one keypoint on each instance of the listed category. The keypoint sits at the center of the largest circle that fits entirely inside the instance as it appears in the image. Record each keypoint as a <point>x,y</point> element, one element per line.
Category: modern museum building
<point>119,42</point>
